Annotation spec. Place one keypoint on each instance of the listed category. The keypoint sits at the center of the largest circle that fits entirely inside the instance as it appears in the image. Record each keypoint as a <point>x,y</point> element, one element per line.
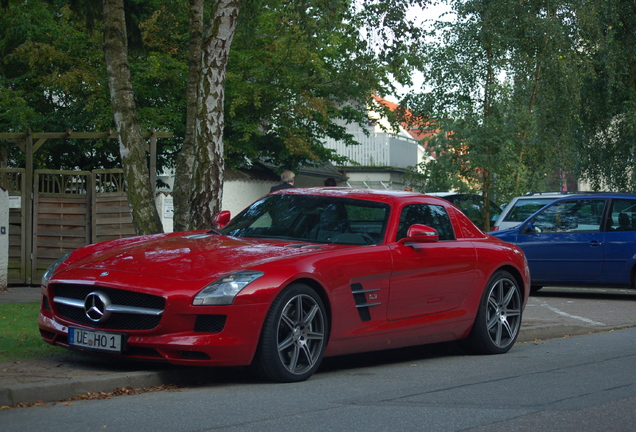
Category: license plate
<point>95,340</point>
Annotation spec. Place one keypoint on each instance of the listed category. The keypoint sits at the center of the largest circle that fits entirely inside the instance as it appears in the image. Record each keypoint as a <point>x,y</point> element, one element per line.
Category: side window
<point>426,214</point>
<point>368,220</point>
<point>571,216</point>
<point>622,216</point>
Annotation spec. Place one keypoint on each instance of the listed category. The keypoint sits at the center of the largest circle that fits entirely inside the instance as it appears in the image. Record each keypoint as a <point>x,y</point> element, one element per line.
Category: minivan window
<point>622,216</point>
<point>571,216</point>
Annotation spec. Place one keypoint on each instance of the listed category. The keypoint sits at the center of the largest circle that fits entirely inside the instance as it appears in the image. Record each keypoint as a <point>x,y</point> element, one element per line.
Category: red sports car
<point>298,275</point>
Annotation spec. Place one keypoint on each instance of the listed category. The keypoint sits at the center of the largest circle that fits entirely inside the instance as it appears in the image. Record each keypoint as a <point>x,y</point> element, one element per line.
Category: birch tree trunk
<point>131,144</point>
<point>185,160</point>
<point>205,190</point>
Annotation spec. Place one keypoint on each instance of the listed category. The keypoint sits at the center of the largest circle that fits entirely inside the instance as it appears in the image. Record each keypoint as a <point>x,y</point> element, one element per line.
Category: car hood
<point>188,257</point>
<point>508,235</point>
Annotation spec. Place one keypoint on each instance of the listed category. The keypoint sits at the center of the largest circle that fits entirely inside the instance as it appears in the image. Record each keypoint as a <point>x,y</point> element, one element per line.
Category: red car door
<point>429,278</point>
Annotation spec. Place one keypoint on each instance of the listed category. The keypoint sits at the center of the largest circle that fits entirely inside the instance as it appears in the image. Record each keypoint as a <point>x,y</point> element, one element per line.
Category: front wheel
<point>294,336</point>
<point>498,319</point>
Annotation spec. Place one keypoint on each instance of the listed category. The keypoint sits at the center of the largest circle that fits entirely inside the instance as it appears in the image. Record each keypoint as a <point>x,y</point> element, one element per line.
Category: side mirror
<point>421,234</point>
<point>529,228</point>
<point>222,219</point>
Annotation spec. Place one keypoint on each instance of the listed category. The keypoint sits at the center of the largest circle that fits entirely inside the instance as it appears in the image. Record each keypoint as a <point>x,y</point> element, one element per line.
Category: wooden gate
<point>53,212</point>
<point>111,218</point>
<point>70,209</point>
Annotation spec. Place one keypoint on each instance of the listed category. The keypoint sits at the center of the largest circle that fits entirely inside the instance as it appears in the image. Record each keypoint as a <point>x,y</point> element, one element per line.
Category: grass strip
<point>19,334</point>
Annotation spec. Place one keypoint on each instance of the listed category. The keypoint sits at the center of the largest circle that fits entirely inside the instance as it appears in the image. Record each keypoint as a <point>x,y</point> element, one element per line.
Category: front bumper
<point>185,335</point>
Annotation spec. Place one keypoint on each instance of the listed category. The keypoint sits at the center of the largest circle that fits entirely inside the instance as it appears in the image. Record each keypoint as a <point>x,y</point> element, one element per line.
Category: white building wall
<point>238,194</point>
<point>166,211</point>
<point>379,149</point>
<point>4,238</point>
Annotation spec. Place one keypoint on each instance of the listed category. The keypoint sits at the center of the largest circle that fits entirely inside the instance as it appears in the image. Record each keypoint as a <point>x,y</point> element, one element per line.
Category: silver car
<point>522,207</point>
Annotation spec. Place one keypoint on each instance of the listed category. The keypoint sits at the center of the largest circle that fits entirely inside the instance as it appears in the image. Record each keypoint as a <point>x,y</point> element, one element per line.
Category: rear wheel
<point>294,336</point>
<point>498,319</point>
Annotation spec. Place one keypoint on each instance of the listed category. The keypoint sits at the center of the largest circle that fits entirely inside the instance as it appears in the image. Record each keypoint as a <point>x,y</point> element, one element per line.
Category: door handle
<point>595,243</point>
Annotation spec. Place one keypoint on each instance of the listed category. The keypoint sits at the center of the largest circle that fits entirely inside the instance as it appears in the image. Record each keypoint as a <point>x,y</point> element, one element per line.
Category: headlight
<point>49,272</point>
<point>222,291</point>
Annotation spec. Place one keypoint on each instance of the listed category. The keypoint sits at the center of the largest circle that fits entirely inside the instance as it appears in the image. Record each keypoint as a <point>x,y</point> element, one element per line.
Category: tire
<point>498,319</point>
<point>294,336</point>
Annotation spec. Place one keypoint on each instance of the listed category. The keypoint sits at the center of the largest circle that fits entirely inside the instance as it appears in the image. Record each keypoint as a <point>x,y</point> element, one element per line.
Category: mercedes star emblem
<point>97,306</point>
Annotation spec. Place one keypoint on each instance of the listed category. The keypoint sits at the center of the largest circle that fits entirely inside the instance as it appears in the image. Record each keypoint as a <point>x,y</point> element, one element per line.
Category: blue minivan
<point>582,240</point>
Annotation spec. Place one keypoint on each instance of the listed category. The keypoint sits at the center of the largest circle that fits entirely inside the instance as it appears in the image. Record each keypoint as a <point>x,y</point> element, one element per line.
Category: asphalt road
<point>579,383</point>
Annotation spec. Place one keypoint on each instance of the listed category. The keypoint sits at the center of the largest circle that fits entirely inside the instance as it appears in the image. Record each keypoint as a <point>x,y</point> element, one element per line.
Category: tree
<point>607,145</point>
<point>132,145</point>
<point>467,96</point>
<point>182,189</point>
<point>504,85</point>
<point>210,121</point>
<point>297,72</point>
<point>199,176</point>
<point>43,86</point>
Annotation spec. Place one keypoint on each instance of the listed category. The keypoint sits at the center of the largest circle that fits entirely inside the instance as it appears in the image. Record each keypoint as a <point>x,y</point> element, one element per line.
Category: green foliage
<point>524,90</point>
<point>608,117</point>
<point>19,335</point>
<point>431,177</point>
<point>530,90</point>
<point>298,71</point>
<point>54,77</point>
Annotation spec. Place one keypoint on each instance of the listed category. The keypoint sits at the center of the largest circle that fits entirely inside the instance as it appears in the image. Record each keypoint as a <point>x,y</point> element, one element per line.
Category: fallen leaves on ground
<point>119,391</point>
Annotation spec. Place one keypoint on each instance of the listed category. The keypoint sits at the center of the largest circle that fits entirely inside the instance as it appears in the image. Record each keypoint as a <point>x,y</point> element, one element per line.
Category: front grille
<point>69,301</point>
<point>117,296</point>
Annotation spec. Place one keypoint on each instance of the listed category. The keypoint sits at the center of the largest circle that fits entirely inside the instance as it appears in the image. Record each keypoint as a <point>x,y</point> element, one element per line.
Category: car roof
<point>602,195</point>
<point>447,194</point>
<point>557,195</point>
<point>344,192</point>
<point>441,194</point>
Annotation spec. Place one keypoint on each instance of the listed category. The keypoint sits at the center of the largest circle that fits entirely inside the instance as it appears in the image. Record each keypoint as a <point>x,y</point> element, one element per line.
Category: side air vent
<point>360,297</point>
<point>45,303</point>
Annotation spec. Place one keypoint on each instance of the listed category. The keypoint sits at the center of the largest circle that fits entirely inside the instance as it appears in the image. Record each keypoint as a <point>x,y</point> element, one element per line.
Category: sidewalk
<point>68,374</point>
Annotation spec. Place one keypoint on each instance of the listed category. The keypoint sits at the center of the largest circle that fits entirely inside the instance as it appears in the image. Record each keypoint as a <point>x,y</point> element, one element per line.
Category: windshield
<point>313,219</point>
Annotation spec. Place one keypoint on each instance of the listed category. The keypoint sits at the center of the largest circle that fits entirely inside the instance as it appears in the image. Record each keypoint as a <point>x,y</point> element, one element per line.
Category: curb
<point>56,390</point>
<point>550,331</point>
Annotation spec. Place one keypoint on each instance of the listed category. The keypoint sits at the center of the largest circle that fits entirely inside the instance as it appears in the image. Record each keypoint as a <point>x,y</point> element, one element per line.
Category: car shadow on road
<point>393,356</point>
